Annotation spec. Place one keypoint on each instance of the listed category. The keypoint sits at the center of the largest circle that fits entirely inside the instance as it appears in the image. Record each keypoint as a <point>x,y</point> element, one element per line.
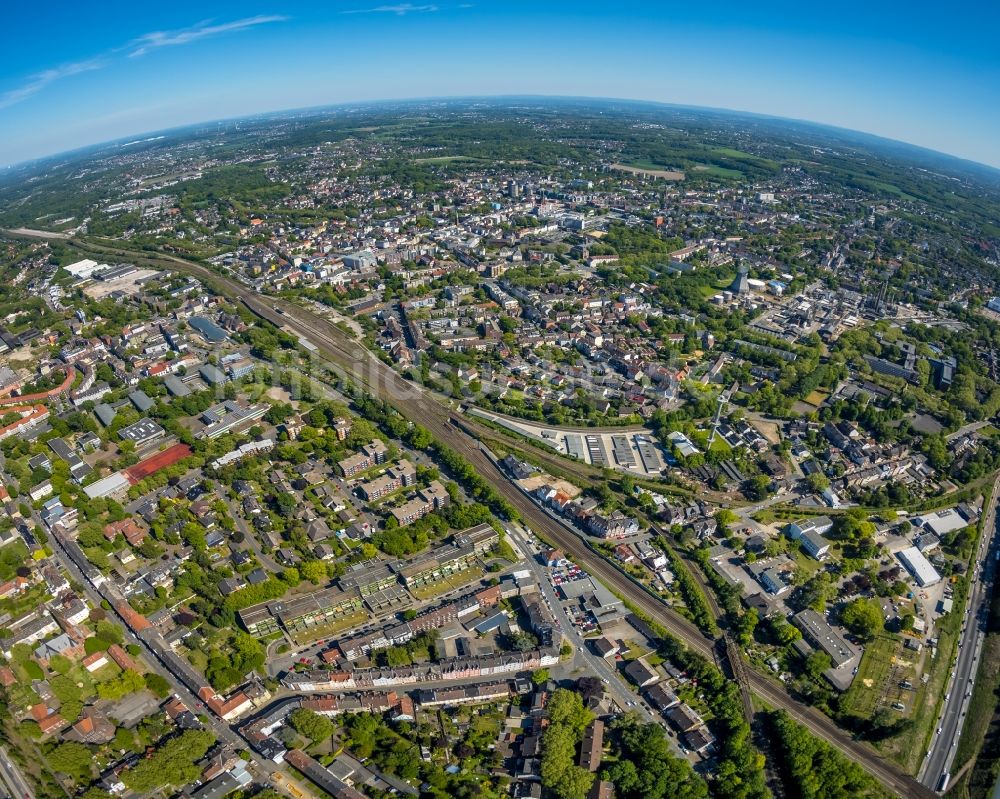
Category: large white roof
<point>921,569</point>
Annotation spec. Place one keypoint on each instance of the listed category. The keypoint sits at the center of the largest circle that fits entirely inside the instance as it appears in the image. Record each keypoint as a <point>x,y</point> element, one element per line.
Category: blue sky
<point>73,74</point>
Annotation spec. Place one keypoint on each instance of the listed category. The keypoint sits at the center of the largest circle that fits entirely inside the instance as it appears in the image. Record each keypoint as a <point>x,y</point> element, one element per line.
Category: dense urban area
<point>493,449</point>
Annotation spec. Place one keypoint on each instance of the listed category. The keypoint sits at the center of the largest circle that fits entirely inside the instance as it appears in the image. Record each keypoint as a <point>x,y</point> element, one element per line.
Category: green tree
<point>566,707</point>
<point>539,676</point>
<point>128,682</point>
<point>157,684</point>
<point>72,759</point>
<point>817,663</point>
<point>820,771</point>
<point>363,728</point>
<point>818,482</point>
<point>314,571</point>
<point>60,664</point>
<point>559,771</point>
<point>173,764</point>
<point>312,725</point>
<point>124,739</point>
<point>646,767</point>
<point>863,617</point>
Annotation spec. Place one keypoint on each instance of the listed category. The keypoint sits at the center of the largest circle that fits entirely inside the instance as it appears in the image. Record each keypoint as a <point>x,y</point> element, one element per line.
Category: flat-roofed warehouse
<point>574,447</point>
<point>481,538</point>
<point>116,272</point>
<point>210,331</point>
<point>819,633</point>
<point>114,485</point>
<point>142,431</point>
<point>622,451</point>
<point>651,460</point>
<point>598,454</point>
<point>917,565</point>
<point>176,386</point>
<point>941,522</point>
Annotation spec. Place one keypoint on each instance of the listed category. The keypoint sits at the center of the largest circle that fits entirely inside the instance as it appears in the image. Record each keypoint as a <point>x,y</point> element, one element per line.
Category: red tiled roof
<point>121,657</point>
<point>42,395</point>
<point>29,414</point>
<point>96,657</point>
<point>51,722</point>
<point>132,617</point>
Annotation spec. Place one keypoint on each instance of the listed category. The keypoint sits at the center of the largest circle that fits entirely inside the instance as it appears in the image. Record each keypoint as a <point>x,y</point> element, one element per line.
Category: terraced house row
<point>368,585</point>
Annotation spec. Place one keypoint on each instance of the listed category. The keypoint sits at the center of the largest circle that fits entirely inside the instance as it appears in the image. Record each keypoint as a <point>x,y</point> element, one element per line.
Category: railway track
<point>353,361</point>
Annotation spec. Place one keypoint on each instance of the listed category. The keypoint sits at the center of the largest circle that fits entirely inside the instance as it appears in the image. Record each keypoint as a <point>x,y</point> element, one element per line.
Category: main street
<point>98,593</point>
<point>941,755</point>
<point>596,664</point>
<point>11,777</point>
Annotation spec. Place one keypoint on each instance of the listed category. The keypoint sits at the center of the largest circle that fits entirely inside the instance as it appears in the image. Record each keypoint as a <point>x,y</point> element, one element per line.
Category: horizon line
<point>139,137</point>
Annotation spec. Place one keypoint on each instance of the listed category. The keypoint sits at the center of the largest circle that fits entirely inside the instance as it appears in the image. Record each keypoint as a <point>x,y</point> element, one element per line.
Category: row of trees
<point>173,764</point>
<point>568,718</point>
<point>694,598</point>
<point>817,769</point>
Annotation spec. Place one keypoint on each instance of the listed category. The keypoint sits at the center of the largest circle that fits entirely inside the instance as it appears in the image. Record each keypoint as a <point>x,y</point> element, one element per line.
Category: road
<point>624,698</point>
<point>12,778</point>
<point>941,755</point>
<point>223,732</point>
<point>250,537</point>
<point>353,361</point>
<point>971,427</point>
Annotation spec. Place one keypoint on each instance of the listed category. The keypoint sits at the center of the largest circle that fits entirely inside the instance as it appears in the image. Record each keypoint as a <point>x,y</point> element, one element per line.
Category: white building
<point>83,269</point>
<point>917,565</point>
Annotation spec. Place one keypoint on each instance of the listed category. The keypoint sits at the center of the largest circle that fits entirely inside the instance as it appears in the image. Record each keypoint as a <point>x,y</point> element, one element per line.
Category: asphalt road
<point>13,779</point>
<point>223,731</point>
<point>958,695</point>
<point>351,359</point>
<point>624,698</point>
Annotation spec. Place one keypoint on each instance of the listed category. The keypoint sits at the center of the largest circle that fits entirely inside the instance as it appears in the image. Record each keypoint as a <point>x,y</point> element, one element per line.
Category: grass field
<point>817,398</point>
<point>720,445</point>
<point>717,287</point>
<point>649,169</point>
<point>909,747</point>
<point>804,564</point>
<point>718,171</point>
<point>869,686</point>
<point>746,158</point>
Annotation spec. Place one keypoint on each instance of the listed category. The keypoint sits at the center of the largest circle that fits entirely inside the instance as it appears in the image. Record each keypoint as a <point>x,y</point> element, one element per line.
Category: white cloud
<point>400,10</point>
<point>144,44</point>
<point>40,80</point>
<point>157,39</point>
